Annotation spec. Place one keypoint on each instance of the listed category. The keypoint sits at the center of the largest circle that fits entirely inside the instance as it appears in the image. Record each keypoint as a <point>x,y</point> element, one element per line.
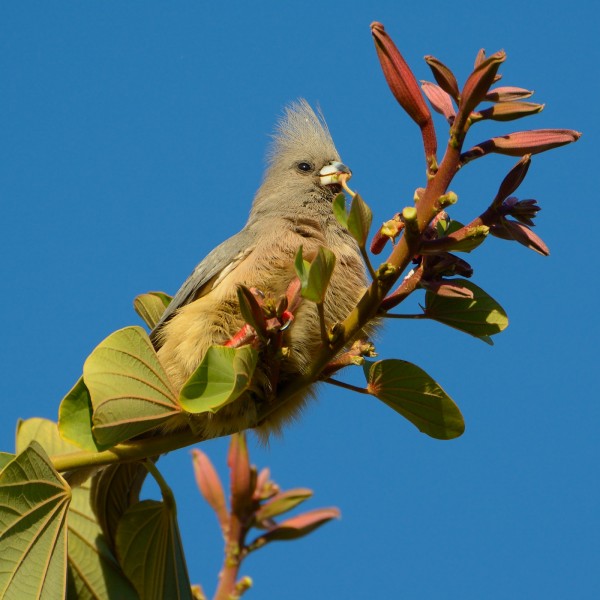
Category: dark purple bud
<point>522,210</point>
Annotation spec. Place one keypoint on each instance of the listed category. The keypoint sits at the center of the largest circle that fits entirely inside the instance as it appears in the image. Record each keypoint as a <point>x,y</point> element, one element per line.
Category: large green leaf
<point>130,391</point>
<point>150,551</point>
<point>93,571</point>
<point>222,377</point>
<point>151,306</point>
<point>411,392</point>
<point>34,500</point>
<point>5,458</point>
<point>75,418</point>
<point>113,491</point>
<point>481,316</point>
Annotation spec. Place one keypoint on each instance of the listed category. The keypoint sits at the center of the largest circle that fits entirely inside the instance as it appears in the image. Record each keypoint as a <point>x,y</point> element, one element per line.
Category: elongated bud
<point>511,230</point>
<point>522,142</point>
<point>241,479</point>
<point>404,86</point>
<point>513,180</point>
<point>508,111</point>
<point>479,82</point>
<point>440,100</point>
<point>210,486</point>
<point>444,76</point>
<point>400,78</point>
<point>251,310</point>
<point>479,58</point>
<point>508,94</point>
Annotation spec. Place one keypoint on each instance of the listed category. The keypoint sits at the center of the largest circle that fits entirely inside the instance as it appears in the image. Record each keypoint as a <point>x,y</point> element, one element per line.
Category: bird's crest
<point>300,127</point>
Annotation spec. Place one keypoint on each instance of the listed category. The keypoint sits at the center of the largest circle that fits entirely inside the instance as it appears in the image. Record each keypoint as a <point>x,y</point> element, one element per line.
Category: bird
<point>292,208</point>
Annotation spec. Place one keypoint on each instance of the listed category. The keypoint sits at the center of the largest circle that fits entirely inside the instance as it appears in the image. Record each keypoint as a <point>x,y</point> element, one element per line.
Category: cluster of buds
<point>266,318</point>
<point>430,235</point>
<point>255,503</point>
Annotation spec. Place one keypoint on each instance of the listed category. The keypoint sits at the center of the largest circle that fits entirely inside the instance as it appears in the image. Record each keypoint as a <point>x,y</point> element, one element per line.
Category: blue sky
<point>133,138</point>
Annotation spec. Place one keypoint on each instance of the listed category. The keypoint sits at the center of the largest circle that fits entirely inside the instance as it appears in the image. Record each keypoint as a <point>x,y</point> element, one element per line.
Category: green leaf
<point>75,418</point>
<point>93,569</point>
<point>359,220</point>
<point>302,268</point>
<point>151,306</point>
<point>34,500</point>
<point>442,226</point>
<point>5,458</point>
<point>223,376</point>
<point>150,551</point>
<point>314,286</point>
<point>339,210</point>
<point>282,503</point>
<point>113,490</point>
<point>480,316</point>
<point>130,391</point>
<point>411,392</point>
<point>446,227</point>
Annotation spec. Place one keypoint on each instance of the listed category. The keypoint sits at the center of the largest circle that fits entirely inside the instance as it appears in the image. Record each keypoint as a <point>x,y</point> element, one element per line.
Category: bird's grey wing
<point>217,264</point>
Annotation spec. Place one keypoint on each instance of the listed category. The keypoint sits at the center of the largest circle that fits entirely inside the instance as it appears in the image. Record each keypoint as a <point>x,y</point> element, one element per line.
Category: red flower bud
<point>479,82</point>
<point>522,142</point>
<point>404,86</point>
<point>508,111</point>
<point>444,76</point>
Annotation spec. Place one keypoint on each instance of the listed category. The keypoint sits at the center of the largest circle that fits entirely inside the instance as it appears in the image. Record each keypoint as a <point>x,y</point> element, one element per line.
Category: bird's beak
<point>330,174</point>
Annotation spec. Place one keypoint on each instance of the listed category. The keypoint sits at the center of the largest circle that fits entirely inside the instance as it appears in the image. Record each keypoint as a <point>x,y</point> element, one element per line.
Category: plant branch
<point>347,386</point>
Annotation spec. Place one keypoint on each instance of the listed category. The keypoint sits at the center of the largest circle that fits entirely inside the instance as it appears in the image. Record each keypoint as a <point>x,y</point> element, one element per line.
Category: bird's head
<point>304,167</point>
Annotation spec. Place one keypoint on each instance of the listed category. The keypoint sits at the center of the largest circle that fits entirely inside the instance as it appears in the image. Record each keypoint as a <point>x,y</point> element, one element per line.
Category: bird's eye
<point>305,167</point>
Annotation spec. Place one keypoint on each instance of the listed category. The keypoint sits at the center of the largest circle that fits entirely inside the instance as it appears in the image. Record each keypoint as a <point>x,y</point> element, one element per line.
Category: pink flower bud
<point>507,94</point>
<point>440,100</point>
